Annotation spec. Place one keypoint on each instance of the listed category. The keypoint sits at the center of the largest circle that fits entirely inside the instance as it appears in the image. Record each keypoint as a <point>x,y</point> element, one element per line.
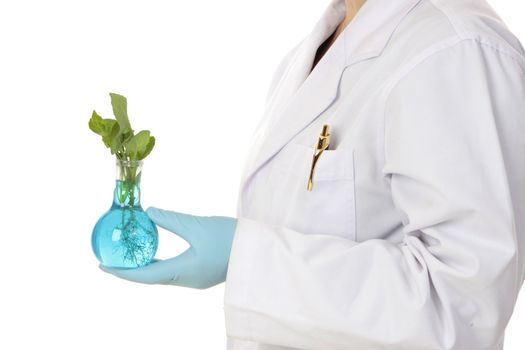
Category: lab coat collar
<point>304,94</point>
<point>368,33</point>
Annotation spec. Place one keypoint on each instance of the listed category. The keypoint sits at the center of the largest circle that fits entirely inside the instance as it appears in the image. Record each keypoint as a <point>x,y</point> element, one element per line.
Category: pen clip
<point>322,144</point>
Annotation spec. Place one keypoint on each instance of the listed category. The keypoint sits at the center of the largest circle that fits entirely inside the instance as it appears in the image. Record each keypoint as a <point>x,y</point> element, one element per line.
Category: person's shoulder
<point>476,19</point>
<point>438,24</point>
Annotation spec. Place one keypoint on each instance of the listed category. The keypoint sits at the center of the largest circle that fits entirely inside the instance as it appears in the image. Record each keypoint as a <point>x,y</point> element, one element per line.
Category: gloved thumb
<point>181,224</point>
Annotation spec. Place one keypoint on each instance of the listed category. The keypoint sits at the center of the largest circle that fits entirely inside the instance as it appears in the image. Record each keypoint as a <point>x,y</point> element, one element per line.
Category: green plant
<point>118,135</point>
<point>130,149</point>
<point>127,146</point>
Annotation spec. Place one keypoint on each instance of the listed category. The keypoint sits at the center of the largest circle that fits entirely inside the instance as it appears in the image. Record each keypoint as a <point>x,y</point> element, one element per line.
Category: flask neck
<point>127,184</point>
<point>126,194</point>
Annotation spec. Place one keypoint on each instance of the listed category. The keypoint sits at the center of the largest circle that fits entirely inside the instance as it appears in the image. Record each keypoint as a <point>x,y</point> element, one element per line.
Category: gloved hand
<point>202,265</point>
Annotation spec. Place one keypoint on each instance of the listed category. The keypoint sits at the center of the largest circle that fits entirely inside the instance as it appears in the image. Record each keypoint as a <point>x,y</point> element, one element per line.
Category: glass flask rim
<point>128,163</point>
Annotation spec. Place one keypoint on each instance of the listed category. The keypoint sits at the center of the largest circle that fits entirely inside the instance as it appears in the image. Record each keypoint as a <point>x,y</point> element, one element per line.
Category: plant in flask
<point>124,236</point>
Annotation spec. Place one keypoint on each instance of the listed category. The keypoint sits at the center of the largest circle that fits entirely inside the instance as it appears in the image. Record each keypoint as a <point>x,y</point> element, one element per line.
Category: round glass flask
<point>125,236</point>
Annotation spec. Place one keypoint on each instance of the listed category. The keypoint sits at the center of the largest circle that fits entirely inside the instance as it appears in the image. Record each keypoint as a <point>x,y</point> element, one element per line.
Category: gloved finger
<point>182,224</point>
<point>158,271</point>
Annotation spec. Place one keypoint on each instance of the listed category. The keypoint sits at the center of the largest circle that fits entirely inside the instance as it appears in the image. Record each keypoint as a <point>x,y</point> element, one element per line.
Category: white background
<point>196,74</point>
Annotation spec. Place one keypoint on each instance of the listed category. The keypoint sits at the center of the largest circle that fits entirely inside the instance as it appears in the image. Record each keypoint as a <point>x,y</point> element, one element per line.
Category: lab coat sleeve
<point>452,282</point>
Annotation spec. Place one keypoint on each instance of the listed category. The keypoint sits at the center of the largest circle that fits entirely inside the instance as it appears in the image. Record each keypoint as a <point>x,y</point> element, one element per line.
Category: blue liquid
<point>124,236</point>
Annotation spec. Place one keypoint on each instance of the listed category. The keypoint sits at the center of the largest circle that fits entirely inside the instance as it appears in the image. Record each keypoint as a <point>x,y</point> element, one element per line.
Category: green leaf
<point>120,110</point>
<point>126,137</point>
<point>148,148</point>
<point>106,141</point>
<point>102,127</point>
<point>114,139</point>
<point>111,133</point>
<point>137,144</point>
<point>107,126</point>
<point>95,123</point>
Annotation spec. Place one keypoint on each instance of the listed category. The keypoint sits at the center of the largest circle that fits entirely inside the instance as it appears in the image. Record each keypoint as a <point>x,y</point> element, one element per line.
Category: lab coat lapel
<point>293,77</point>
<point>303,96</point>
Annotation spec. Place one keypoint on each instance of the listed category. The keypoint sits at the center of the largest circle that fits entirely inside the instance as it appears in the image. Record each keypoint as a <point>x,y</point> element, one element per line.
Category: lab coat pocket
<point>329,208</point>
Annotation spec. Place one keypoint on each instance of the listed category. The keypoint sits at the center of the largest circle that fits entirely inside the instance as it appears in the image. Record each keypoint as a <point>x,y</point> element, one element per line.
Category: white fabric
<point>413,235</point>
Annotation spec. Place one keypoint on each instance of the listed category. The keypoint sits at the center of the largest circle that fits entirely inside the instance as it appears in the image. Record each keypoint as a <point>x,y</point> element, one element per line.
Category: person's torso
<point>351,195</point>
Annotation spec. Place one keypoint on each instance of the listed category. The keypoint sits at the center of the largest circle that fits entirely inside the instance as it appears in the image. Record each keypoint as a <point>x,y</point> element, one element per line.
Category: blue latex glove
<point>202,265</point>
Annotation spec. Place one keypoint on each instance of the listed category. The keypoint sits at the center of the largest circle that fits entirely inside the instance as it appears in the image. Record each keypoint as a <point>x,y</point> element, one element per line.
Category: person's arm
<point>204,263</point>
<point>453,280</point>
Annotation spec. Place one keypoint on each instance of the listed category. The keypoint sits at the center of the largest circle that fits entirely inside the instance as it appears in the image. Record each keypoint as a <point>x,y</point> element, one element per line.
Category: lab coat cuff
<point>252,242</point>
<point>263,261</point>
<point>237,280</point>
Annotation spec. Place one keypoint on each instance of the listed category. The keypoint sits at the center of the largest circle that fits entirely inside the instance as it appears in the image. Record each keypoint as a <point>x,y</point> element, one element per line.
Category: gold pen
<point>322,144</point>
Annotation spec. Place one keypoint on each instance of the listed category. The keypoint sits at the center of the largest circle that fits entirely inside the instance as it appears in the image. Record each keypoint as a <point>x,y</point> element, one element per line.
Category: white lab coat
<point>413,236</point>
